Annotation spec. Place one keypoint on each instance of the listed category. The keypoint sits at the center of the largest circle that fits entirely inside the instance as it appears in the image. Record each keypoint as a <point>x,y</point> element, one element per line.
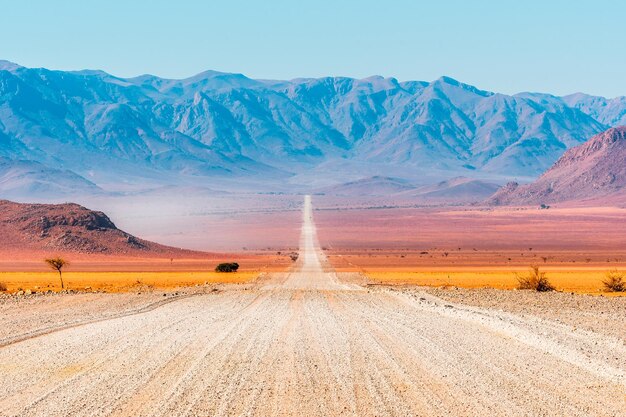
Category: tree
<point>57,264</point>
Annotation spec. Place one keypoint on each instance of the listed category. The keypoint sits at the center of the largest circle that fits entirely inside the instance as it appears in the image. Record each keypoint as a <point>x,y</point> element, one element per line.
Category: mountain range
<point>90,131</point>
<point>460,190</point>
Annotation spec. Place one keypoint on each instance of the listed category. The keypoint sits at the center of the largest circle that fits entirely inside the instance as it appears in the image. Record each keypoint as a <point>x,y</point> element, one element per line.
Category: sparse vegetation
<point>534,280</point>
<point>294,256</point>
<point>614,281</point>
<point>227,267</point>
<point>57,264</point>
<point>3,286</point>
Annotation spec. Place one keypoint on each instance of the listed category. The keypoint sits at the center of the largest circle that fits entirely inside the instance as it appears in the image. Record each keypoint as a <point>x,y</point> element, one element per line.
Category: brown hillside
<point>69,228</point>
<point>594,171</point>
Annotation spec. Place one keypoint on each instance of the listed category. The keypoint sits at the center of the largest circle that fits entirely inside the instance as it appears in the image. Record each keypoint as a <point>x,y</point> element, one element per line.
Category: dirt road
<point>309,343</point>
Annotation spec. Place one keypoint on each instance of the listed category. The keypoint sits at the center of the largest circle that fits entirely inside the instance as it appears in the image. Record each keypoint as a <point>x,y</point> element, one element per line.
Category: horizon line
<point>303,78</point>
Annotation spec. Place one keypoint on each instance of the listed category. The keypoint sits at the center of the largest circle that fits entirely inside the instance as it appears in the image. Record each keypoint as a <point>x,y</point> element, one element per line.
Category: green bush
<point>227,267</point>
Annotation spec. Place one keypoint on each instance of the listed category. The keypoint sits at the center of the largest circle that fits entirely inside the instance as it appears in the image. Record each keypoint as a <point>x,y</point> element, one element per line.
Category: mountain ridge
<point>214,125</point>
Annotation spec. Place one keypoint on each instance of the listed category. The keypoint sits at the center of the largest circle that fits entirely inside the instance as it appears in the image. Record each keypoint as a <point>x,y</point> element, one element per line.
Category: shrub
<point>227,267</point>
<point>3,286</point>
<point>614,281</point>
<point>534,280</point>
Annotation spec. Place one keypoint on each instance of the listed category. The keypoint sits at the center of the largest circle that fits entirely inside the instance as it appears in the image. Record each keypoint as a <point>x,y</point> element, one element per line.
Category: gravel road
<point>309,343</point>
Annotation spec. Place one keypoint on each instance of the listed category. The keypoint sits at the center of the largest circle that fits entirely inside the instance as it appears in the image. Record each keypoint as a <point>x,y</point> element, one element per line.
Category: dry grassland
<point>579,281</point>
<point>118,281</point>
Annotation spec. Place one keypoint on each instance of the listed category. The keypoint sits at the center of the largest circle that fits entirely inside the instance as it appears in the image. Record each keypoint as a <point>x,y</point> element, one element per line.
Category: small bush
<point>614,281</point>
<point>534,280</point>
<point>3,286</point>
<point>227,267</point>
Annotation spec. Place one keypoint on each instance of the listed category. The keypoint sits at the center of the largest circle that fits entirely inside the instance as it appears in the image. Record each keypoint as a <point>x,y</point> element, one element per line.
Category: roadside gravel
<point>26,316</point>
<point>601,314</point>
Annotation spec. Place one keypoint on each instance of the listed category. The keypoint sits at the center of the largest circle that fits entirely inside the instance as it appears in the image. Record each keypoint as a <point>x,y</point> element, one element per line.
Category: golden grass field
<point>118,281</point>
<point>579,280</point>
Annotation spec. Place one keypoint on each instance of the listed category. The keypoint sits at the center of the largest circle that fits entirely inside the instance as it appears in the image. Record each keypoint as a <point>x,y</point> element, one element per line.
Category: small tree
<point>57,264</point>
<point>614,281</point>
<point>227,267</point>
<point>534,280</point>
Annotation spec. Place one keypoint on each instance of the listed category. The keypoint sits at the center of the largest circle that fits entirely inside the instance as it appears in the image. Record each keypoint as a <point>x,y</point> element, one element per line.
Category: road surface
<point>307,343</point>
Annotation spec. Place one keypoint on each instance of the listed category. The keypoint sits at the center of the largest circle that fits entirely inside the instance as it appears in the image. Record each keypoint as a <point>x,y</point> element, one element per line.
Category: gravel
<point>596,313</point>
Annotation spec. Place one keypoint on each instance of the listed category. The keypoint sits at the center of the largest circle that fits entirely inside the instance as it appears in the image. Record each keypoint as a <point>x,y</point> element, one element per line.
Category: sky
<point>552,46</point>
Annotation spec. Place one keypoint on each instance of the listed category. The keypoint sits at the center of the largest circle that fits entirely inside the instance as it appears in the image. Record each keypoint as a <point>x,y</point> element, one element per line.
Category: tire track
<point>49,330</point>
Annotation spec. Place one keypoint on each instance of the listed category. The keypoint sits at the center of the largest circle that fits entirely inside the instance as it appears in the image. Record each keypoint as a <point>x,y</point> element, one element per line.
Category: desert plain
<point>462,246</point>
<point>393,326</point>
<point>473,247</point>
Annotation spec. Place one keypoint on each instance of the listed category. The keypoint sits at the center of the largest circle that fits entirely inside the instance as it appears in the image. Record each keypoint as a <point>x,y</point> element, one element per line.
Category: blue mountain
<point>214,126</point>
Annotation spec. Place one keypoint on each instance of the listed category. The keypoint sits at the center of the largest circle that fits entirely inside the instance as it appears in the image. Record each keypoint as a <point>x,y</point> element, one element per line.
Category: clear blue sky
<point>508,46</point>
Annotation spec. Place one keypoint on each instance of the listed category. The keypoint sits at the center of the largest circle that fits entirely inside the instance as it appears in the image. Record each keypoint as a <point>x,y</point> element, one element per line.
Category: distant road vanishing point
<point>312,342</point>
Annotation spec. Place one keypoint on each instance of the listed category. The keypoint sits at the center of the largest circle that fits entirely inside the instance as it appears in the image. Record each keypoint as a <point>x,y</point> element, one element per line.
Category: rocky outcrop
<point>594,170</point>
<point>68,228</point>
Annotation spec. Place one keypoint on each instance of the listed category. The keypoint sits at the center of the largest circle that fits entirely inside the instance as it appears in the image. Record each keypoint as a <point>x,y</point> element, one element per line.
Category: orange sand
<point>118,281</point>
<point>115,273</point>
<point>579,280</point>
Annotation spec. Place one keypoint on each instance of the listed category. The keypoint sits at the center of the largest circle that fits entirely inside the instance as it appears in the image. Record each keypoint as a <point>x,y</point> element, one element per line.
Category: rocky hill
<point>68,228</point>
<point>595,171</point>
